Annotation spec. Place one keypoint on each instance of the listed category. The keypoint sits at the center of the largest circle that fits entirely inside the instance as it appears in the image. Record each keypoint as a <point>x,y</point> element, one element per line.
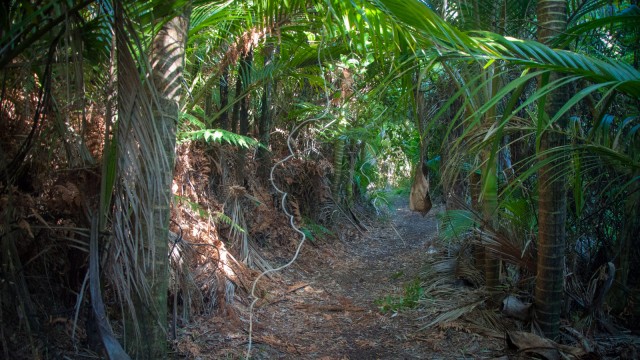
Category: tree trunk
<point>264,127</point>
<point>167,67</point>
<point>245,74</point>
<point>235,112</point>
<point>338,156</point>
<point>224,98</point>
<point>552,20</point>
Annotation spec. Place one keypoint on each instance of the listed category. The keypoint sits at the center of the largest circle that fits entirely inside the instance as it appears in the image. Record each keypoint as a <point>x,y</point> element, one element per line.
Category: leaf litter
<point>327,304</point>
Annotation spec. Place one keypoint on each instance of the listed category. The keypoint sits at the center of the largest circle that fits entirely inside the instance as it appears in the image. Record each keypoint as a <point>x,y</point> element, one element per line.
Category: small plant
<point>413,293</point>
<point>314,231</point>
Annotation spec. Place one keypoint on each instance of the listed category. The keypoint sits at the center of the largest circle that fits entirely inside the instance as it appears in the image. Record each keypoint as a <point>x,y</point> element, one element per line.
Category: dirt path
<point>326,305</point>
<point>336,316</point>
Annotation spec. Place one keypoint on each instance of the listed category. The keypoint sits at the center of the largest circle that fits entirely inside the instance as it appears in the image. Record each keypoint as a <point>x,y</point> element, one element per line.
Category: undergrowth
<point>413,293</point>
<point>314,231</point>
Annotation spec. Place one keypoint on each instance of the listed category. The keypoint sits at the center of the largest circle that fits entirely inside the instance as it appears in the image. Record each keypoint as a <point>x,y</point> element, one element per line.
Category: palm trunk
<point>338,156</point>
<point>552,196</point>
<point>245,74</point>
<point>264,127</point>
<point>224,98</point>
<point>235,112</point>
<point>167,66</point>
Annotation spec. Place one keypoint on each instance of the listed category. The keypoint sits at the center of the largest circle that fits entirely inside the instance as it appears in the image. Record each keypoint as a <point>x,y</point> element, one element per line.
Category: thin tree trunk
<point>338,158</point>
<point>350,173</point>
<point>225,125</point>
<point>224,98</point>
<point>552,202</point>
<point>245,74</point>
<point>264,127</point>
<point>208,107</point>
<point>235,112</point>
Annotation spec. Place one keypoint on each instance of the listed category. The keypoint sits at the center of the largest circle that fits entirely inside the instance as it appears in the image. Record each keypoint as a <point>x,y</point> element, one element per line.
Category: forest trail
<point>328,305</point>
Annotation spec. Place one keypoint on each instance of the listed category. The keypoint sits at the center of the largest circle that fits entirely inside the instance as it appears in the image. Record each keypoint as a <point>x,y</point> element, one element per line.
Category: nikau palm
<point>344,74</point>
<point>552,205</point>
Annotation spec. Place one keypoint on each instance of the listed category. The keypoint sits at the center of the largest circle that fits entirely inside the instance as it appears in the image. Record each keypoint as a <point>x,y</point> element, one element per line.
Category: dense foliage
<point>279,120</point>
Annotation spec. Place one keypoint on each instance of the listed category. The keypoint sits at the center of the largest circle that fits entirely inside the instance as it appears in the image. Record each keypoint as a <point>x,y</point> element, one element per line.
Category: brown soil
<point>325,306</point>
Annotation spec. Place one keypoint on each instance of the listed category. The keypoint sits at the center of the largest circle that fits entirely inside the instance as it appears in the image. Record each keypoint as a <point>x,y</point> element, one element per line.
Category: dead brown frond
<point>142,182</point>
<point>501,238</point>
<point>590,299</point>
<point>453,295</point>
<point>240,201</point>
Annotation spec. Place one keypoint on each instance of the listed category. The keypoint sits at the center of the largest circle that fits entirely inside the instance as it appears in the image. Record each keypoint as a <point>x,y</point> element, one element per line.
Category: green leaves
<point>413,294</point>
<point>532,54</point>
<point>208,135</point>
<point>219,136</point>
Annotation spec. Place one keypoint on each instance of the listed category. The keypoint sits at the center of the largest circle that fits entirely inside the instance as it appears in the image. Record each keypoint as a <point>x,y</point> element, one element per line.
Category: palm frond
<point>619,22</point>
<point>455,313</point>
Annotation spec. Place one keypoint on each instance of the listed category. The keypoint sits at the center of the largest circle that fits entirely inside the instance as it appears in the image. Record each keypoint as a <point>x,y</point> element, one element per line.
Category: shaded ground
<point>327,304</point>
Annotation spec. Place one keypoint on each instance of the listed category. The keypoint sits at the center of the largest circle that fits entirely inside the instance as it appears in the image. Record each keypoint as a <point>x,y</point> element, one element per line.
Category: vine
<point>284,200</point>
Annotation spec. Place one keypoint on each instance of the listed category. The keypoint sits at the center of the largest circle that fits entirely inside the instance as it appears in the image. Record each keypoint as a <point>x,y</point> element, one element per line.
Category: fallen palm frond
<point>590,299</point>
<point>444,278</point>
<point>531,344</point>
<point>241,241</point>
<point>453,296</point>
<point>502,241</point>
<point>182,280</point>
<point>455,313</point>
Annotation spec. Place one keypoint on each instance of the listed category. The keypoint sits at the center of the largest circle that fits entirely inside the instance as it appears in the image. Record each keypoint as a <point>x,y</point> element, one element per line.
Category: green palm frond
<point>580,11</point>
<point>620,22</point>
<point>488,46</point>
<point>217,216</point>
<point>207,16</point>
<point>457,224</point>
<point>507,240</point>
<point>535,55</point>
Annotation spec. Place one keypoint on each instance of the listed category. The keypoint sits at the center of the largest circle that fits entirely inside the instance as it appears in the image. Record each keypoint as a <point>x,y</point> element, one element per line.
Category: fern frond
<point>219,136</point>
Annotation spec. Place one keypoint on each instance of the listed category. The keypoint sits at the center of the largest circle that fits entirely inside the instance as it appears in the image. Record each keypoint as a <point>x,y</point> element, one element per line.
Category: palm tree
<point>553,104</point>
<point>167,58</point>
<point>139,147</point>
<point>552,205</point>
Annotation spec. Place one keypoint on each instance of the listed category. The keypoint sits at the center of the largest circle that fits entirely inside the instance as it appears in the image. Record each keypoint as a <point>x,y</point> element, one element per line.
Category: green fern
<point>219,136</point>
<point>217,216</point>
<point>314,231</point>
